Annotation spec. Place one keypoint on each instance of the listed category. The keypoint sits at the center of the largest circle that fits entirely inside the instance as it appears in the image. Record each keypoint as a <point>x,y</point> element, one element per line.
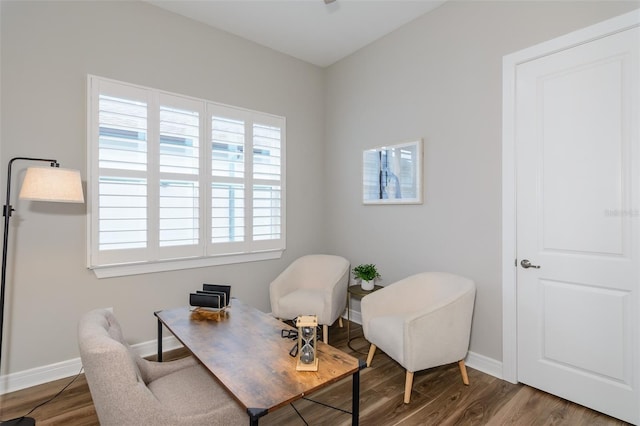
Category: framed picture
<point>393,174</point>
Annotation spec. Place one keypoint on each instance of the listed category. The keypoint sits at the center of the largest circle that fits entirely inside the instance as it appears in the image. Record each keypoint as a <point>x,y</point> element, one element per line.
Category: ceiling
<point>309,30</point>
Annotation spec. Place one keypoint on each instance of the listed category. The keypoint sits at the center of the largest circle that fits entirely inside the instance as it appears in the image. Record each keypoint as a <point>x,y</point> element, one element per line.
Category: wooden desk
<point>247,355</point>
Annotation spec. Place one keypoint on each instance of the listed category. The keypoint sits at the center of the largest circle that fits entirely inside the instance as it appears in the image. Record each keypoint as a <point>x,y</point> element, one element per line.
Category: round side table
<point>357,292</point>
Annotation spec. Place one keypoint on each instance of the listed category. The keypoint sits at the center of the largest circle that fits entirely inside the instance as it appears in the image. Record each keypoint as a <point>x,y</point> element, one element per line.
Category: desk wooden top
<point>248,356</point>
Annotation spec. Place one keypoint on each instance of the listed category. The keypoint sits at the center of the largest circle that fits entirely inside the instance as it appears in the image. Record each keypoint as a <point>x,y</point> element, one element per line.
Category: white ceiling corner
<point>309,30</point>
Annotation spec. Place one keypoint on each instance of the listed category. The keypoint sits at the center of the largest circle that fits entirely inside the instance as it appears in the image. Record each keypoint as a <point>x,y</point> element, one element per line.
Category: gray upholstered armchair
<point>422,321</point>
<point>312,285</point>
<point>129,390</point>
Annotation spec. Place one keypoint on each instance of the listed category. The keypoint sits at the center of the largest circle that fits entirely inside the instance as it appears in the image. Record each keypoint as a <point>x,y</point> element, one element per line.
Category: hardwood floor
<point>438,398</point>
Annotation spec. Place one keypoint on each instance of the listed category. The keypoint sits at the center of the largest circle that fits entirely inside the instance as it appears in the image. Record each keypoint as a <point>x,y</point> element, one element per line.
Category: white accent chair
<point>421,321</point>
<point>130,390</point>
<point>312,285</point>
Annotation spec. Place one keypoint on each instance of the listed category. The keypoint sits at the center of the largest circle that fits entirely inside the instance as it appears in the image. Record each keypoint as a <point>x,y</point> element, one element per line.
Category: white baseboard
<point>485,364</point>
<point>37,376</point>
<point>355,316</point>
<point>48,373</point>
<point>474,360</point>
<point>60,370</point>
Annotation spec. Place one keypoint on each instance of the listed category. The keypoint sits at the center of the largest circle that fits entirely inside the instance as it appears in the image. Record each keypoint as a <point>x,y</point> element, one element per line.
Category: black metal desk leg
<point>255,414</point>
<point>159,340</point>
<point>355,403</point>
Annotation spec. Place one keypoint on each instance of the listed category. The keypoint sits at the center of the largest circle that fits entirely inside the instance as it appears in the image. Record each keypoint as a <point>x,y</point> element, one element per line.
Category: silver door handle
<point>526,264</point>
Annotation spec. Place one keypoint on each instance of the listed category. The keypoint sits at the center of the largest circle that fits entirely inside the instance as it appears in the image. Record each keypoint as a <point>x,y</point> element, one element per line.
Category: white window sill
<point>175,265</point>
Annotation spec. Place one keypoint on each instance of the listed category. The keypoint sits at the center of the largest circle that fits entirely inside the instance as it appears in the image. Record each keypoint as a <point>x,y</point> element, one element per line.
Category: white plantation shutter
<point>179,184</point>
<point>266,152</point>
<point>227,174</point>
<point>121,131</point>
<point>266,212</point>
<point>162,191</point>
<point>179,213</point>
<point>267,172</point>
<point>227,213</point>
<point>227,146</point>
<point>123,213</point>
<point>246,189</point>
<point>179,140</point>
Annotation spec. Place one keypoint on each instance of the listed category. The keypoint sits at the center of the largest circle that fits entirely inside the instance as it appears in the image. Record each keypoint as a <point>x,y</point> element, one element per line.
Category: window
<point>178,182</point>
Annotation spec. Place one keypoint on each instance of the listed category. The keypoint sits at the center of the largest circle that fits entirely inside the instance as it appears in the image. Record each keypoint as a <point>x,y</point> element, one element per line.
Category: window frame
<point>154,258</point>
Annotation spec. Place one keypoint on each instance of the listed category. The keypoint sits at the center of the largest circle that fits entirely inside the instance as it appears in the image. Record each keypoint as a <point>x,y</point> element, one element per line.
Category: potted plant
<point>367,273</point>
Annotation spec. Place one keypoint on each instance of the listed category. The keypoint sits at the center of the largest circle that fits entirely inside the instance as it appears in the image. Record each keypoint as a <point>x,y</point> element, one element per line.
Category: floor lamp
<point>40,184</point>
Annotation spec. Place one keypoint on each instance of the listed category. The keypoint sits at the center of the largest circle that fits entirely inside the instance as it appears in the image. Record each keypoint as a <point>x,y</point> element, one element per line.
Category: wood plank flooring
<point>438,398</point>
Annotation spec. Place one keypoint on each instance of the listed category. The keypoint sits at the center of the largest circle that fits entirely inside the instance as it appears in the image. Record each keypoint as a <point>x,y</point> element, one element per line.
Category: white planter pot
<point>367,285</point>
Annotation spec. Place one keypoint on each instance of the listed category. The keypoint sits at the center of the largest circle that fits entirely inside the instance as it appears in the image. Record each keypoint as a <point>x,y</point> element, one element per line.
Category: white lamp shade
<point>52,184</point>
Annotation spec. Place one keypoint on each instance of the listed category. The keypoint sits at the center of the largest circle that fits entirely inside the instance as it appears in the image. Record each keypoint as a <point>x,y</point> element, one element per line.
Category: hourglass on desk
<point>307,343</point>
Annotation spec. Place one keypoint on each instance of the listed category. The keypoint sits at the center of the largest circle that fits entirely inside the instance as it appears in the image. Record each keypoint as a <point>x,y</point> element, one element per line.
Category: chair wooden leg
<point>372,351</point>
<point>407,386</point>
<point>463,371</point>
<point>325,333</point>
<point>340,322</point>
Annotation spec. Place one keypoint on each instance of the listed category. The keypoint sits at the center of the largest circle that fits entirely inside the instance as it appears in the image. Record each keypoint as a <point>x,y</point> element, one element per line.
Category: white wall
<point>48,48</point>
<point>438,78</point>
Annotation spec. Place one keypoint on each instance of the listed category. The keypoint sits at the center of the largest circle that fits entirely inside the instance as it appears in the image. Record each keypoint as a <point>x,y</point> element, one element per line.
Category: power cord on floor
<point>299,414</point>
<point>315,402</point>
<point>17,419</point>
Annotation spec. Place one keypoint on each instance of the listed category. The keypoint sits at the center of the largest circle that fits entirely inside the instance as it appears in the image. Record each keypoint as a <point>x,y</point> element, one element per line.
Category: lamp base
<point>20,421</point>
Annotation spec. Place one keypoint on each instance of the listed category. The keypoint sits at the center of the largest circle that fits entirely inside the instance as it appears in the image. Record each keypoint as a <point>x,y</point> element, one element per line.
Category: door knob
<point>526,264</point>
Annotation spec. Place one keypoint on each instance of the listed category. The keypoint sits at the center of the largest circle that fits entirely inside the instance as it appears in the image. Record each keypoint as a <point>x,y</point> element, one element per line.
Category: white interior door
<point>578,223</point>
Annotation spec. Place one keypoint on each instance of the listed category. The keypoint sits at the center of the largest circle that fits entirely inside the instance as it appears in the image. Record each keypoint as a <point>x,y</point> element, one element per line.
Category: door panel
<point>563,338</point>
<point>590,136</point>
<point>578,186</point>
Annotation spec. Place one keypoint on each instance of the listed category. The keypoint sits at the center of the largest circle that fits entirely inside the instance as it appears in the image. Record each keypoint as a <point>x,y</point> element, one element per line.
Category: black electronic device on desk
<point>212,296</point>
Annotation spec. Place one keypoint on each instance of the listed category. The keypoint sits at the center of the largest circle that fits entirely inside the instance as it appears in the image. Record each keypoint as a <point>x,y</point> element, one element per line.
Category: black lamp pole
<point>6,212</point>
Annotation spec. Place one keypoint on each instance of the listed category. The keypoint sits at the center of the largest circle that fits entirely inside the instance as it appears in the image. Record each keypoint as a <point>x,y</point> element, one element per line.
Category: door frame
<point>509,254</point>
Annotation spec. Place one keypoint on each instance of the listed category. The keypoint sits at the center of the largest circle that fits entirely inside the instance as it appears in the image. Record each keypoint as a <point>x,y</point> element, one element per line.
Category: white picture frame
<point>392,174</point>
